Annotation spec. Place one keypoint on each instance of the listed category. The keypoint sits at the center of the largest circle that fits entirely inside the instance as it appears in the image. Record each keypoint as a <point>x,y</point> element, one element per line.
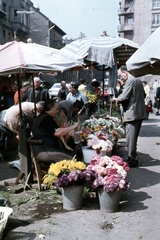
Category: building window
<point>155,4</point>
<point>9,36</point>
<point>129,21</point>
<point>155,19</point>
<point>27,21</point>
<point>4,7</point>
<point>9,14</point>
<point>129,3</point>
<point>4,36</point>
<point>15,13</point>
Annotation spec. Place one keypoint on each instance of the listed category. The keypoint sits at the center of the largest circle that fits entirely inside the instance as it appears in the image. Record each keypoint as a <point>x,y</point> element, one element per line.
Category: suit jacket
<point>132,99</point>
<point>41,94</point>
<point>62,94</point>
<point>158,92</point>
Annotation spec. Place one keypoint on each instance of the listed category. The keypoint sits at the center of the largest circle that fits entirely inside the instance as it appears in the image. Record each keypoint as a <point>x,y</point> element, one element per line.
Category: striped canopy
<point>101,50</point>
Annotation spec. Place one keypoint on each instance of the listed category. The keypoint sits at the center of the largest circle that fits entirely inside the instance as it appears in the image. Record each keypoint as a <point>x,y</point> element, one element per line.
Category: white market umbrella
<point>18,57</point>
<point>146,60</point>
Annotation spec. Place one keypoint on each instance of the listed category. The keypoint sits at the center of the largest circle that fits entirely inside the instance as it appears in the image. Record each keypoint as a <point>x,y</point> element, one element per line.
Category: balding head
<point>37,82</point>
<point>37,79</point>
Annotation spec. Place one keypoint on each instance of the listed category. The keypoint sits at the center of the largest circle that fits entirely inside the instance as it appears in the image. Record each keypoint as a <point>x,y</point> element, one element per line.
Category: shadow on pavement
<point>7,172</point>
<point>146,160</point>
<point>150,127</point>
<point>146,131</point>
<point>140,178</point>
<point>133,201</point>
<point>13,224</point>
<point>21,236</point>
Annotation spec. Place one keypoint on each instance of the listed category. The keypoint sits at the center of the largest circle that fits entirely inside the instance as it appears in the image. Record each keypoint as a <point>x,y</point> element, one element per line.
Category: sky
<point>91,17</point>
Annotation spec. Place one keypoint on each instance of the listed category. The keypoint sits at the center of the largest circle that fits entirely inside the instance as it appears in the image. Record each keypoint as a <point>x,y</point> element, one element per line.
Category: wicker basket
<point>5,212</point>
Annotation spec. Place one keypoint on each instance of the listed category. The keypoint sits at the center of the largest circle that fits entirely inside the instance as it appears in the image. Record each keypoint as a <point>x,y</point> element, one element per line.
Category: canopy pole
<point>19,97</point>
<point>34,97</point>
<point>103,84</point>
<point>92,75</point>
<point>24,150</point>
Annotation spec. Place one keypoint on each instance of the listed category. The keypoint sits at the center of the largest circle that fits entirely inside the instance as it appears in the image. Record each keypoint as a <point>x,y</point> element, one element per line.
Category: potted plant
<point>71,176</point>
<point>110,180</point>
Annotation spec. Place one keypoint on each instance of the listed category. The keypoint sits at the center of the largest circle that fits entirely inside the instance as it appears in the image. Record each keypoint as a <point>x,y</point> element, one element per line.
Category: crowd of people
<point>55,120</point>
<point>51,120</point>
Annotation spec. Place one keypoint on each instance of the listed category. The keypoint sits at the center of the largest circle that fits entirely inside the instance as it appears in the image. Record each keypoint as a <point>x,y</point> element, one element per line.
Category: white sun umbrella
<point>19,57</point>
<point>16,57</point>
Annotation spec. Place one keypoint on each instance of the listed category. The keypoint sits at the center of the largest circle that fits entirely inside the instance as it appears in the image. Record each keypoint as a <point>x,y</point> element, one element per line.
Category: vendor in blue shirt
<point>74,95</point>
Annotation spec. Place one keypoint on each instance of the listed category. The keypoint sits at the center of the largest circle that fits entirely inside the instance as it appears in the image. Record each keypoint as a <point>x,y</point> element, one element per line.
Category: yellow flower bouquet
<point>67,173</point>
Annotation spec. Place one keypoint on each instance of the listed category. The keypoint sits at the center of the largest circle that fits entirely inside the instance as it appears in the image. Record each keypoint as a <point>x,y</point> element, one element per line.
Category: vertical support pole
<point>103,84</point>
<point>25,154</point>
<point>24,149</point>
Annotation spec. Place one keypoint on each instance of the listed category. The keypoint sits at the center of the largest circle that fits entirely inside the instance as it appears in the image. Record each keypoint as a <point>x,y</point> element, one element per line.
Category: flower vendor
<point>45,128</point>
<point>93,93</point>
<point>68,112</point>
<point>74,95</point>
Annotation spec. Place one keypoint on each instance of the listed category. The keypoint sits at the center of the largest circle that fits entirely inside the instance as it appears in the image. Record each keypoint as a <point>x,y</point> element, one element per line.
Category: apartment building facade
<point>138,19</point>
<point>20,19</point>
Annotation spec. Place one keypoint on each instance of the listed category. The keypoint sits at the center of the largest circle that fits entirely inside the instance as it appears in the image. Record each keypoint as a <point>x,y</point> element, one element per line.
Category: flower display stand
<point>109,201</point>
<point>88,154</point>
<point>72,197</point>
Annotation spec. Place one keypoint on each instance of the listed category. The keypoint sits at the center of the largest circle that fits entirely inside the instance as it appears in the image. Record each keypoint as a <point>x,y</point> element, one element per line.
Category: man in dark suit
<point>132,99</point>
<point>63,91</point>
<point>157,100</point>
<point>37,94</point>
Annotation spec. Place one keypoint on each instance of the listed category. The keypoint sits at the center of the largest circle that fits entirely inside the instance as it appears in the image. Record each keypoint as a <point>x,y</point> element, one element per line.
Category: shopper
<point>37,93</point>
<point>132,99</point>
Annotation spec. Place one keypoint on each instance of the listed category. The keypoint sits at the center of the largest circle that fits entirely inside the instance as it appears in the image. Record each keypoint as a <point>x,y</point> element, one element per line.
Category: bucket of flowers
<point>110,180</point>
<point>97,145</point>
<point>104,125</point>
<point>72,176</point>
<point>99,134</point>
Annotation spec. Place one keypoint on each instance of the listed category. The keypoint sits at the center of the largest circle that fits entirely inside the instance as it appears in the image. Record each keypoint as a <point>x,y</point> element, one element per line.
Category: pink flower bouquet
<point>110,173</point>
<point>99,144</point>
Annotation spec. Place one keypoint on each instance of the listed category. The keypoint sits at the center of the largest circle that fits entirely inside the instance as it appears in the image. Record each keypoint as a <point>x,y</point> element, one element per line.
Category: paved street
<point>138,216</point>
